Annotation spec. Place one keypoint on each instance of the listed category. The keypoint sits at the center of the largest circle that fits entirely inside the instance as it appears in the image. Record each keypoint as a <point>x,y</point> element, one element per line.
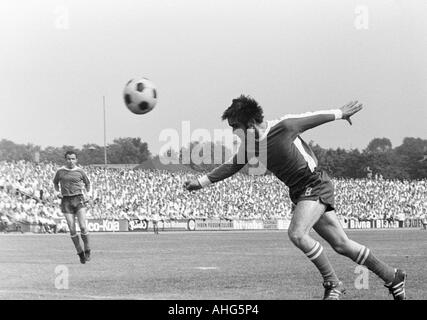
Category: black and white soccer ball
<point>140,95</point>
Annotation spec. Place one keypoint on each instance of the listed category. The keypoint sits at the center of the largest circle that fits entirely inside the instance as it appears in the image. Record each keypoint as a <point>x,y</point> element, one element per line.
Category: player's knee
<point>295,235</point>
<point>83,230</point>
<point>73,232</point>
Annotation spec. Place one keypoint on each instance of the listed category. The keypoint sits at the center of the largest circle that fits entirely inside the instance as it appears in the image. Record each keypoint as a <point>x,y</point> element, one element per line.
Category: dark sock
<point>76,240</point>
<point>381,269</point>
<point>85,238</point>
<point>321,261</point>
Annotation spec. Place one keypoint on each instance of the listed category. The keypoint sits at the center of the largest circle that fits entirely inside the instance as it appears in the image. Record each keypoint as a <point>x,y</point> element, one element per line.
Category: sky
<point>58,59</point>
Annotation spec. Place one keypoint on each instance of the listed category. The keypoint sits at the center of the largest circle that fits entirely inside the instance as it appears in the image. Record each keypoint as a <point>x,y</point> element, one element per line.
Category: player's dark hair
<point>244,109</point>
<point>69,152</point>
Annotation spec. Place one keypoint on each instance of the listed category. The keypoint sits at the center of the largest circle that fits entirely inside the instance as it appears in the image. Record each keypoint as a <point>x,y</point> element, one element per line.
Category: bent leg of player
<point>71,221</point>
<point>330,229</point>
<point>84,233</point>
<point>305,215</point>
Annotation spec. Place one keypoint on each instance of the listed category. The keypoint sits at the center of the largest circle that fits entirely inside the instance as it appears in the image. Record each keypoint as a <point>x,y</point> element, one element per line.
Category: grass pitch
<point>220,265</point>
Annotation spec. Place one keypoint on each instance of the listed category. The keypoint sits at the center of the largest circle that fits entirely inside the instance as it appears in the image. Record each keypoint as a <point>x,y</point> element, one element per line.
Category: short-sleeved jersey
<point>281,150</point>
<point>72,181</point>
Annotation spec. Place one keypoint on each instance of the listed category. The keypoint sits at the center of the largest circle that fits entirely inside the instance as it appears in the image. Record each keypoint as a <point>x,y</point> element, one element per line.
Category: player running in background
<point>73,180</point>
<point>278,147</point>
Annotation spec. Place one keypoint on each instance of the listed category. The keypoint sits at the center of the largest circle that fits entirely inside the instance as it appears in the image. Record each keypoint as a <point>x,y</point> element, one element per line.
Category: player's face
<point>71,160</point>
<point>239,128</point>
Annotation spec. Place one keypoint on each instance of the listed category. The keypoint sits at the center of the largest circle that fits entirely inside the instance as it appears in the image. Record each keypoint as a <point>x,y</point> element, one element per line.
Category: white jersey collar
<point>65,168</point>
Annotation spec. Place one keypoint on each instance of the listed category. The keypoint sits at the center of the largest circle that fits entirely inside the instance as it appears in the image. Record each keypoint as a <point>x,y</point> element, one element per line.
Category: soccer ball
<point>140,95</point>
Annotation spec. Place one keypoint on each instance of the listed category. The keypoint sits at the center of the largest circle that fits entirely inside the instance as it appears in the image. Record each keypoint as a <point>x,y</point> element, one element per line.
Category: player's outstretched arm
<point>309,120</point>
<point>220,173</point>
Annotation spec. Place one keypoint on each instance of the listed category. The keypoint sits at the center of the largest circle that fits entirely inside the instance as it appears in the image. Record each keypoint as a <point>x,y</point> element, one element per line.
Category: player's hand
<point>192,185</point>
<point>349,109</point>
<point>59,195</point>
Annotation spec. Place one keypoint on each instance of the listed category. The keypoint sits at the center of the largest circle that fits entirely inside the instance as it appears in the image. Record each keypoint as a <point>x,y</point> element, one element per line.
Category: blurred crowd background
<point>27,195</point>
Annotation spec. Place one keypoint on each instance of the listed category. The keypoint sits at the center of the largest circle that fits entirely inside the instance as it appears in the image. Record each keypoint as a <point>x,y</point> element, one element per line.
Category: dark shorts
<point>72,204</point>
<point>318,187</point>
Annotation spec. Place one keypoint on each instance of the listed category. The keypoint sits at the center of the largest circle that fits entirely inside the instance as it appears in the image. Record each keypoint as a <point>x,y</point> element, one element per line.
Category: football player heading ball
<point>280,148</point>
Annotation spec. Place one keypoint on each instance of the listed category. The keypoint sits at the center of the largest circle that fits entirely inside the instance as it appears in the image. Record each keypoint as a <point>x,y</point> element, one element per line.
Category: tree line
<point>406,161</point>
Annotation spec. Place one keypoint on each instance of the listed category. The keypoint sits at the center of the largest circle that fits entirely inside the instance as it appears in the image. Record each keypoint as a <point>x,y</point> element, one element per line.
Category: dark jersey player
<point>73,180</point>
<point>278,147</point>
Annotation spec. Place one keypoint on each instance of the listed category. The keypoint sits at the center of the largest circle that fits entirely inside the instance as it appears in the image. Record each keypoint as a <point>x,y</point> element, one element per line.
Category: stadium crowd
<point>27,194</point>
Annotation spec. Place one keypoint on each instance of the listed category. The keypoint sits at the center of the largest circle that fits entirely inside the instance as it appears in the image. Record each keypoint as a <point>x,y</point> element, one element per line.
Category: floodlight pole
<point>105,145</point>
<point>105,135</point>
